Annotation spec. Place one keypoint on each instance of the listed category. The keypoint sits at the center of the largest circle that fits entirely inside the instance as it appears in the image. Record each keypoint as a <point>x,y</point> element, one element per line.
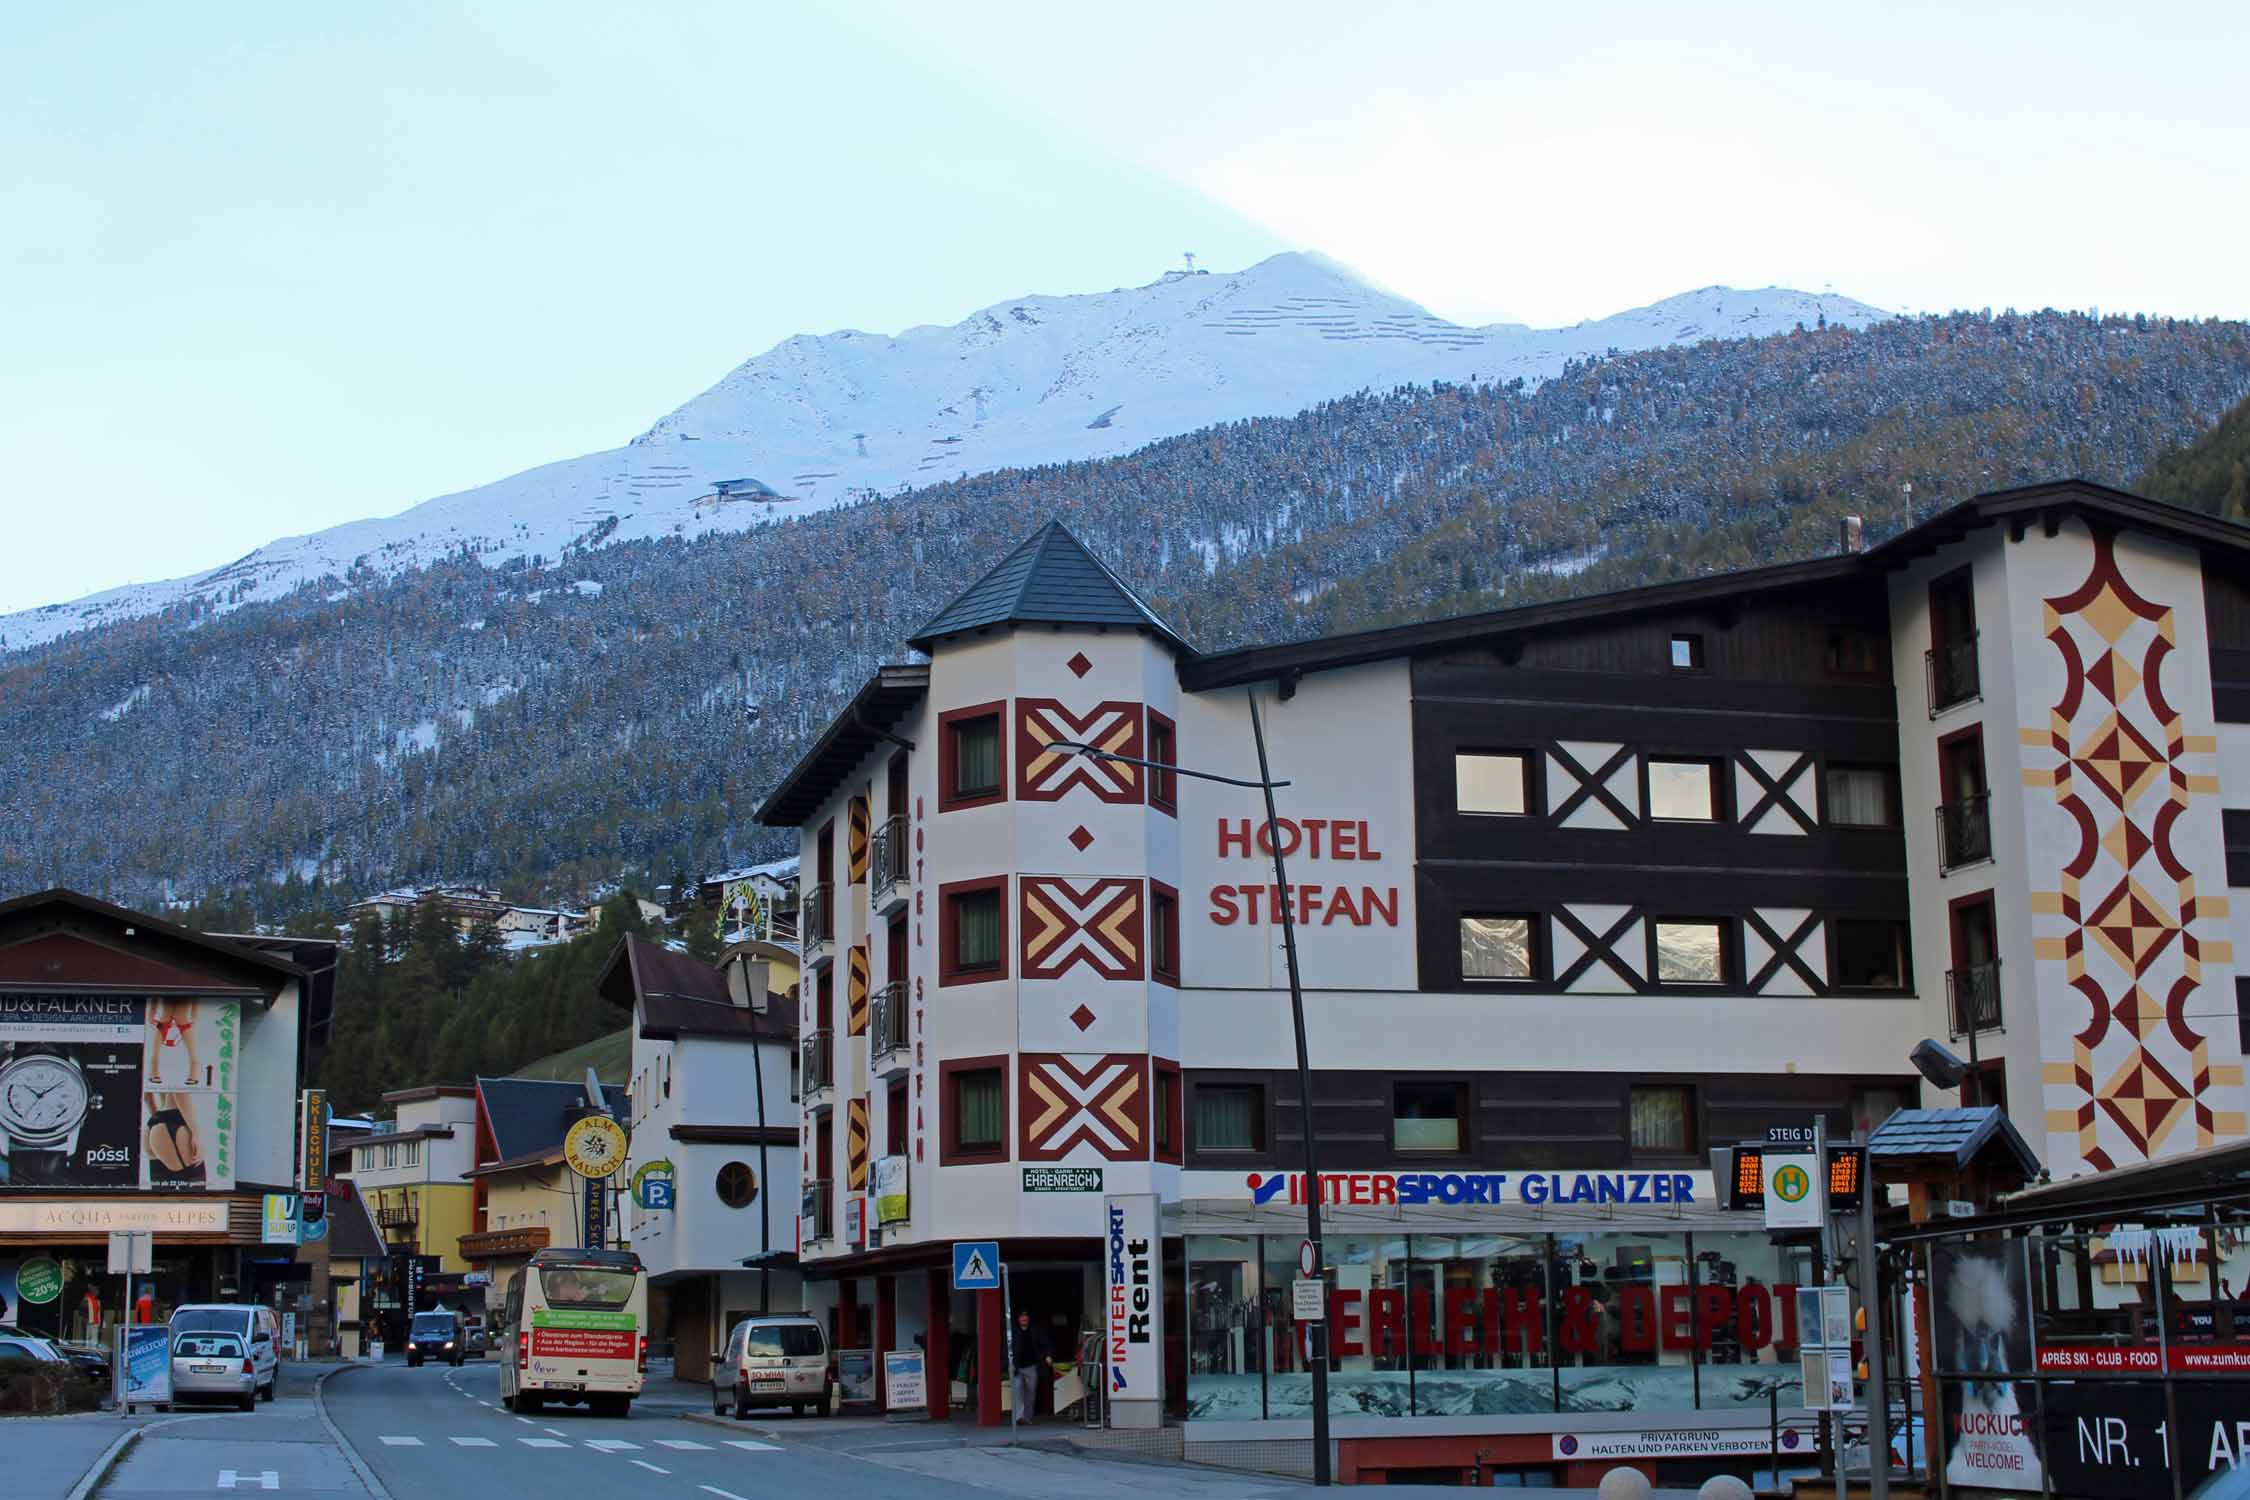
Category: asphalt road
<point>441,1432</point>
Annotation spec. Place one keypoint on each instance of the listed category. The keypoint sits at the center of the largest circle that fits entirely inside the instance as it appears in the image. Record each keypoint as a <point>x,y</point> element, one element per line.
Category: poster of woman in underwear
<point>189,1055</point>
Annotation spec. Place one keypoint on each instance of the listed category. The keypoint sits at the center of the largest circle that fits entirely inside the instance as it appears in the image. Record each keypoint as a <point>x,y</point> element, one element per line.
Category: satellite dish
<point>1938,1064</point>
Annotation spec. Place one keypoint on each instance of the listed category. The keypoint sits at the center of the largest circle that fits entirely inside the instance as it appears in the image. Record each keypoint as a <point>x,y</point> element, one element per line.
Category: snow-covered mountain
<point>816,421</point>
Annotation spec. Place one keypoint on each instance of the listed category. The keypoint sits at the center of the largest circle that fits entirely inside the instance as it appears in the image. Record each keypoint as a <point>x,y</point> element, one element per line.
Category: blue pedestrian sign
<point>976,1265</point>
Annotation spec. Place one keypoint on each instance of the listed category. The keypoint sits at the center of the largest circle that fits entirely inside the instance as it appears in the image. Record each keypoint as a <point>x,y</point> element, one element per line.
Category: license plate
<point>760,1380</point>
<point>209,1369</point>
<point>566,1385</point>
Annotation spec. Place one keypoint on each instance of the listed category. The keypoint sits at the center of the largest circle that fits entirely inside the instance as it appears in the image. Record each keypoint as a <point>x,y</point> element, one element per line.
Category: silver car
<point>213,1366</point>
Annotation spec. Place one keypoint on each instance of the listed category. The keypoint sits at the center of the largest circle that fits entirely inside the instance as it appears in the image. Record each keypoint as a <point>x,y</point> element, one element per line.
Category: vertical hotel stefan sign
<point>1133,1268</point>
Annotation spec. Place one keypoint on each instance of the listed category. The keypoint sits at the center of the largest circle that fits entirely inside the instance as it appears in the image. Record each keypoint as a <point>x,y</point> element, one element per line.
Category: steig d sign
<point>1133,1308</point>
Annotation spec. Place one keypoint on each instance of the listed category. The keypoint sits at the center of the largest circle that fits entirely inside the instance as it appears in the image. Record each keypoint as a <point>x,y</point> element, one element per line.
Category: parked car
<point>213,1366</point>
<point>773,1361</point>
<point>92,1360</point>
<point>257,1327</point>
<point>438,1336</point>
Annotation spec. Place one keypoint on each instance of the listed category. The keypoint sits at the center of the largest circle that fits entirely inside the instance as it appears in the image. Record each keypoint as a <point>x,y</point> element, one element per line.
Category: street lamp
<point>1316,1342</point>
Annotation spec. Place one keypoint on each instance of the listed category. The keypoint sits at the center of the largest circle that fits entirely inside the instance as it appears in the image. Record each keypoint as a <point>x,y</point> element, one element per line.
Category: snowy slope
<point>815,421</point>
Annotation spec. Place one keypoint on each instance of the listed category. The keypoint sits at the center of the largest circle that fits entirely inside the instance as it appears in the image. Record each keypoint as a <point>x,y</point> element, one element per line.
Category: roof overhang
<point>864,723</point>
<point>127,951</point>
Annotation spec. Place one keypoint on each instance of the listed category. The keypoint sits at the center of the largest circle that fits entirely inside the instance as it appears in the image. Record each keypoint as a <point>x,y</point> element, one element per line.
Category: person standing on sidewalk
<point>1031,1357</point>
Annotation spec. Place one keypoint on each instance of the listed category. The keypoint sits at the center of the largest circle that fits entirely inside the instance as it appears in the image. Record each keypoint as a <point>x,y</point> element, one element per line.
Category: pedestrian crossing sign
<point>976,1265</point>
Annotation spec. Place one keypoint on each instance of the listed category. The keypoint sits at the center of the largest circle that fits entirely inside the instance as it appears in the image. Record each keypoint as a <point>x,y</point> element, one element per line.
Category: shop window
<point>1498,948</point>
<point>973,936</point>
<point>972,766</point>
<point>1683,791</point>
<point>1741,1280</point>
<point>1663,1120</point>
<point>1870,955</point>
<point>1860,797</point>
<point>1610,1292</point>
<point>1428,1116</point>
<point>1163,932</point>
<point>1687,652</point>
<point>1230,1117</point>
<point>1491,781</point>
<point>975,1098</point>
<point>1228,1335</point>
<point>1691,950</point>
<point>737,1185</point>
<point>1164,749</point>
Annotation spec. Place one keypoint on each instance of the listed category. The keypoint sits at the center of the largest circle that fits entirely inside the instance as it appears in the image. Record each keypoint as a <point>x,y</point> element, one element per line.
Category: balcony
<point>818,917</point>
<point>398,1216</point>
<point>818,1208</point>
<point>1972,996</point>
<point>888,854</point>
<point>1951,670</point>
<point>816,1065</point>
<point>1964,829</point>
<point>887,1039</point>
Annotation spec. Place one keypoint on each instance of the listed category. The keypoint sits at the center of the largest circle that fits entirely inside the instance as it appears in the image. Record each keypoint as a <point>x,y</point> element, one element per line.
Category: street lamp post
<point>1316,1338</point>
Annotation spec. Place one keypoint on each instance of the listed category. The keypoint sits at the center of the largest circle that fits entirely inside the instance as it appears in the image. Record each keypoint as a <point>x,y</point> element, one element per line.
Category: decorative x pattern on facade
<point>1098,1101</point>
<point>1765,929</point>
<point>1044,775</point>
<point>1774,788</point>
<point>855,839</point>
<point>1096,923</point>
<point>855,991</point>
<point>1591,800</point>
<point>855,1145</point>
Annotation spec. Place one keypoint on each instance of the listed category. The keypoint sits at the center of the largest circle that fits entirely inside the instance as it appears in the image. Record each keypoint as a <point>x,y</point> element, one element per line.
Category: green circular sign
<point>39,1279</point>
<point>1792,1183</point>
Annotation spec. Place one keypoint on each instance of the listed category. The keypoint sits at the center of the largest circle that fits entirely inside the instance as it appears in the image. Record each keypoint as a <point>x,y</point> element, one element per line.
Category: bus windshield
<point>586,1286</point>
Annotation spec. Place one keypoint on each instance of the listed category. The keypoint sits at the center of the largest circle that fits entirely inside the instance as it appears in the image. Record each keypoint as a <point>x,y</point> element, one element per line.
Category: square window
<point>1230,1117</point>
<point>1663,1120</point>
<point>1163,748</point>
<point>1497,948</point>
<point>1163,932</point>
<point>1683,790</point>
<point>979,1112</point>
<point>1491,782</point>
<point>976,756</point>
<point>1427,1116</point>
<point>1871,955</point>
<point>1687,653</point>
<point>1691,951</point>
<point>973,931</point>
<point>1860,797</point>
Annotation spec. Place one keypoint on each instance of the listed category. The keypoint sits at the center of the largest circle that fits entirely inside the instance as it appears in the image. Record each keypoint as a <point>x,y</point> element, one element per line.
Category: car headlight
<point>449,1343</point>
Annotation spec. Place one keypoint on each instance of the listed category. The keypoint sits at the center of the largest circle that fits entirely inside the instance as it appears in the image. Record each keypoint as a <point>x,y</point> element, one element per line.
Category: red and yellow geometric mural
<point>1044,775</point>
<point>1100,1101</point>
<point>1094,923</point>
<point>2141,1075</point>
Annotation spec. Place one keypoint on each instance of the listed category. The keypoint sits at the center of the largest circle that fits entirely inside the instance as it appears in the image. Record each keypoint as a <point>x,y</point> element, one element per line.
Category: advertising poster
<point>70,1091</point>
<point>890,1189</point>
<point>191,1053</point>
<point>145,1355</point>
<point>11,1309</point>
<point>905,1381</point>
<point>855,1376</point>
<point>1133,1308</point>
<point>1980,1319</point>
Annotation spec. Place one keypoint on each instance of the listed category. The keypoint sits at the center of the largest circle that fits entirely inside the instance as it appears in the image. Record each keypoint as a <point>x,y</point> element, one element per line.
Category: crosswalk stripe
<point>684,1445</point>
<point>644,1463</point>
<point>543,1442</point>
<point>752,1446</point>
<point>474,1443</point>
<point>613,1445</point>
<point>402,1442</point>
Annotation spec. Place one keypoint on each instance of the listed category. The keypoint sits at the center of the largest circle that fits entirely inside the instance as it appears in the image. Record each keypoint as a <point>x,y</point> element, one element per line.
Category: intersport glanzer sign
<point>1488,1189</point>
<point>1133,1303</point>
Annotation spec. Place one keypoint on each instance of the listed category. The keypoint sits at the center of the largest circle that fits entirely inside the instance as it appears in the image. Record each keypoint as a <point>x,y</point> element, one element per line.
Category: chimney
<point>1855,534</point>
<point>749,985</point>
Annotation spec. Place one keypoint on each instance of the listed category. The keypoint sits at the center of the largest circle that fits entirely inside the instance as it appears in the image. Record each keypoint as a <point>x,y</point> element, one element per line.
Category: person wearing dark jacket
<point>1031,1358</point>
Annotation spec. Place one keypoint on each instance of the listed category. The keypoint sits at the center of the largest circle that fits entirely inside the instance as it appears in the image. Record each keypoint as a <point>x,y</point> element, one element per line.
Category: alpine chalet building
<point>1582,889</point>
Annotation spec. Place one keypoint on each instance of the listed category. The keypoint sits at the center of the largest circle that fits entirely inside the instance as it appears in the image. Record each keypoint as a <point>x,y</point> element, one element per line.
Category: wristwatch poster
<point>70,1090</point>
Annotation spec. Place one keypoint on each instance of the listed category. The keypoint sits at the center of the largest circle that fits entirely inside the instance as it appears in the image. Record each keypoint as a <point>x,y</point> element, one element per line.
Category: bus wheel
<point>527,1404</point>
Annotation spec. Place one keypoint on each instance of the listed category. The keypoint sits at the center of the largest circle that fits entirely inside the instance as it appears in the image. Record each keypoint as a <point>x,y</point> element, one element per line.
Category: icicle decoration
<point>2130,1246</point>
<point>2182,1244</point>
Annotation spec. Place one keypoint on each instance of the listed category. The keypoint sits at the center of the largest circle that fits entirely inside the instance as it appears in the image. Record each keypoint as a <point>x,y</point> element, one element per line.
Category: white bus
<point>576,1329</point>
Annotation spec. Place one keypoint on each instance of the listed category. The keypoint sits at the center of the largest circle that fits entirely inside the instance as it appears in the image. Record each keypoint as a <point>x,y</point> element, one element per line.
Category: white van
<point>772,1360</point>
<point>257,1327</point>
<point>575,1329</point>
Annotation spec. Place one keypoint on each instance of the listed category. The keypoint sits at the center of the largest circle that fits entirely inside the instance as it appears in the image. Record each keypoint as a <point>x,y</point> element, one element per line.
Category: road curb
<point>92,1479</point>
<point>729,1424</point>
<point>344,1446</point>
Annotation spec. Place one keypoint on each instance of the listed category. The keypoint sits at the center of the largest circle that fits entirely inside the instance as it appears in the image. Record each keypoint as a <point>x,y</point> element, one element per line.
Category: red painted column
<point>991,1333</point>
<point>886,1330</point>
<point>937,1373</point>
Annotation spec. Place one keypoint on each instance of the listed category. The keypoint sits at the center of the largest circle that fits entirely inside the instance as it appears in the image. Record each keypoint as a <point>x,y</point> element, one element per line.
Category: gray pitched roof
<point>1050,579</point>
<point>1959,1135</point>
<point>534,1114</point>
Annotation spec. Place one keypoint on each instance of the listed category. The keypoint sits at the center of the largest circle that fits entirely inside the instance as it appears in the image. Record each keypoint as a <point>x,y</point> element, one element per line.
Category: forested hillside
<point>2212,473</point>
<point>618,712</point>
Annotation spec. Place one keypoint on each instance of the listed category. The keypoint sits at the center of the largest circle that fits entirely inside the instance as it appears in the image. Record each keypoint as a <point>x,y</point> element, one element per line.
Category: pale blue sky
<point>269,267</point>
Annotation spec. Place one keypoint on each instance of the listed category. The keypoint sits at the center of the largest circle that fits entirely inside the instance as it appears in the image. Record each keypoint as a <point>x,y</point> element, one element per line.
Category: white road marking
<point>613,1445</point>
<point>683,1445</point>
<point>527,1421</point>
<point>266,1479</point>
<point>484,1403</point>
<point>474,1443</point>
<point>543,1442</point>
<point>715,1490</point>
<point>753,1447</point>
<point>402,1442</point>
<point>554,1432</point>
<point>644,1463</point>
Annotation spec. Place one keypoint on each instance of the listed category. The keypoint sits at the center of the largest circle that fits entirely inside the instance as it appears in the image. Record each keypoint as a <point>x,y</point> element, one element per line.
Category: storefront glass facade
<point>1496,1324</point>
